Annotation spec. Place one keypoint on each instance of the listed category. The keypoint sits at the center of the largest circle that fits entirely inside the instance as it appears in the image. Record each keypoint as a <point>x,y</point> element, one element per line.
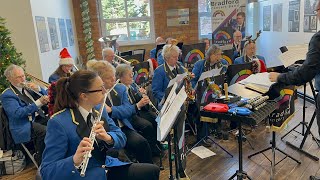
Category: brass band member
<point>68,130</point>
<point>213,60</point>
<point>144,119</point>
<point>121,111</point>
<point>108,55</point>
<point>22,104</point>
<point>167,71</point>
<point>66,64</point>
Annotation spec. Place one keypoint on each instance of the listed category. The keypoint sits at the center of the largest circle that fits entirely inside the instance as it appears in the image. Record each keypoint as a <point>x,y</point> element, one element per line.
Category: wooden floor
<point>222,166</point>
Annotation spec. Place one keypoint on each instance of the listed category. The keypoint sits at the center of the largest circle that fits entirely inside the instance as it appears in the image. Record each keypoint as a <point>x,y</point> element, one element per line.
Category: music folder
<point>170,111</point>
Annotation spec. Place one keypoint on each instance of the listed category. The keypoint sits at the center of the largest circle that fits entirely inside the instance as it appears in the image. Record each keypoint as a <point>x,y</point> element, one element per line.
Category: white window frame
<point>127,20</point>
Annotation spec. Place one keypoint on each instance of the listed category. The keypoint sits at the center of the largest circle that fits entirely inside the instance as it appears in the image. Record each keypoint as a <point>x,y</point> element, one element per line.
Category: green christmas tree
<point>8,54</point>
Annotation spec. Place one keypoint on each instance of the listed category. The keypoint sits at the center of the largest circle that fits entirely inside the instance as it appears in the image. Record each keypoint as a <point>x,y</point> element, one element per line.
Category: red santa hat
<point>65,57</point>
<point>153,64</point>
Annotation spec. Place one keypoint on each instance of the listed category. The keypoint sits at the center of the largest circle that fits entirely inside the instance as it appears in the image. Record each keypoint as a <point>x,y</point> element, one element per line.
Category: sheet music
<point>261,79</point>
<point>170,114</point>
<point>210,73</point>
<point>294,53</point>
<point>169,99</point>
<point>240,90</point>
<point>178,78</point>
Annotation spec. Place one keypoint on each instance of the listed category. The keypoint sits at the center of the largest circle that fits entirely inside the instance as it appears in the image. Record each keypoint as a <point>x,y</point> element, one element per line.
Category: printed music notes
<point>294,53</point>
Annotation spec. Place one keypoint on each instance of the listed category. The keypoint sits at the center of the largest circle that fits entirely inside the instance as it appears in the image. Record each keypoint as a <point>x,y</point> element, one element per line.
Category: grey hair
<point>121,69</point>
<point>105,52</point>
<point>100,67</point>
<point>8,73</point>
<point>212,50</point>
<point>168,49</point>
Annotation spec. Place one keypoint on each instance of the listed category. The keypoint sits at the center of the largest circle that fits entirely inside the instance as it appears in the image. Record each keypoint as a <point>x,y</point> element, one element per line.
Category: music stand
<point>168,120</point>
<point>303,123</point>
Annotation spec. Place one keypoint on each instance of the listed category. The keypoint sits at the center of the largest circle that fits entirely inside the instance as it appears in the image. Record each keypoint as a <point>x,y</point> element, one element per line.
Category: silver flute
<point>150,103</point>
<point>92,136</point>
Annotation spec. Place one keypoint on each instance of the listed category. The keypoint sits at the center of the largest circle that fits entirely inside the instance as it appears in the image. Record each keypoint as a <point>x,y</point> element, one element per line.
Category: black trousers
<point>137,145</point>
<point>135,171</point>
<point>146,128</point>
<point>38,134</point>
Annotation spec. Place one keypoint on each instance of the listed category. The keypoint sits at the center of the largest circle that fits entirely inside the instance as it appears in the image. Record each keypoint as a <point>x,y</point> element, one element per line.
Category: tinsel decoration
<point>87,29</point>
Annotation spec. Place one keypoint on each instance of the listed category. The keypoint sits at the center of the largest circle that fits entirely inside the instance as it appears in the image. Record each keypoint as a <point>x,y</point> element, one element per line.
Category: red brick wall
<point>160,22</point>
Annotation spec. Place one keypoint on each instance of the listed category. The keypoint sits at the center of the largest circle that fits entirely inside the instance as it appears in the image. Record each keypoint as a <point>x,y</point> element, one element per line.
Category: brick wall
<point>160,22</point>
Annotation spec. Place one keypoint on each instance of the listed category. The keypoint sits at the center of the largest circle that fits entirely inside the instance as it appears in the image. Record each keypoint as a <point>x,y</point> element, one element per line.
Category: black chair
<point>140,51</point>
<point>6,141</point>
<point>126,53</point>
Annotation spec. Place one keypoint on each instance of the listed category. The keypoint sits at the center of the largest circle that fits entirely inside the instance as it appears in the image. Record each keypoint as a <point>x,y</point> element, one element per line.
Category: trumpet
<point>150,103</point>
<point>92,136</point>
<point>122,59</point>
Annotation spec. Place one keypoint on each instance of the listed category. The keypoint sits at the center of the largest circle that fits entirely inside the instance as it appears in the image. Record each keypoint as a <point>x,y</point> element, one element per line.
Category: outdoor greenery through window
<point>130,19</point>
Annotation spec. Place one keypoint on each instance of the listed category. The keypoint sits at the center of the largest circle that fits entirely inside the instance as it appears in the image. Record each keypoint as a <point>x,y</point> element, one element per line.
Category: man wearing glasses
<point>24,109</point>
<point>310,69</point>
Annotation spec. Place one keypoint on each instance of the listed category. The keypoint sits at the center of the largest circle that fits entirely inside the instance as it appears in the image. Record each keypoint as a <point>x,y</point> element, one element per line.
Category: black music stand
<point>273,147</point>
<point>305,125</point>
<point>208,137</point>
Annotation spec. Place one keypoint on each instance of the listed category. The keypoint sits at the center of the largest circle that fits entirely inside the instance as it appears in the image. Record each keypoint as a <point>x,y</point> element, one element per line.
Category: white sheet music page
<point>170,114</point>
<point>294,53</point>
<point>261,79</point>
<point>178,78</point>
<point>211,73</point>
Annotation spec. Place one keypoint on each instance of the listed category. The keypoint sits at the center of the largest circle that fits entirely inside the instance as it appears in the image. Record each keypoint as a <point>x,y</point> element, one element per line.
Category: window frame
<point>127,20</point>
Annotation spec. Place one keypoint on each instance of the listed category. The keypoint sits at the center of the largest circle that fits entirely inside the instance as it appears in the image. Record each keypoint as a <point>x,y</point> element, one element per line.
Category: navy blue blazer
<point>18,112</point>
<point>160,81</point>
<point>240,60</point>
<point>62,141</point>
<point>53,78</point>
<point>199,68</point>
<point>153,53</point>
<point>122,109</point>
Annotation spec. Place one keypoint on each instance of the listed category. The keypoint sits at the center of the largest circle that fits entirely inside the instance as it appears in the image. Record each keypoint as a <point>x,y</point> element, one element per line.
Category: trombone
<point>43,83</point>
<point>122,59</point>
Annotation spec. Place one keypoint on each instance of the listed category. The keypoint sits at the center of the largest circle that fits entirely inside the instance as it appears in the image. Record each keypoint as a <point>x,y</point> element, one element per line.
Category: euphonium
<point>92,136</point>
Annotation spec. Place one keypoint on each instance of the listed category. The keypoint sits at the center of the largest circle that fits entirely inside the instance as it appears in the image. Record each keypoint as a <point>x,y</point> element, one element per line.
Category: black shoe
<point>205,143</point>
<point>314,178</point>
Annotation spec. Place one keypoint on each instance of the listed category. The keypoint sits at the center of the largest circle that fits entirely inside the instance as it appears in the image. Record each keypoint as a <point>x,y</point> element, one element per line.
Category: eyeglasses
<point>98,90</point>
<point>316,11</point>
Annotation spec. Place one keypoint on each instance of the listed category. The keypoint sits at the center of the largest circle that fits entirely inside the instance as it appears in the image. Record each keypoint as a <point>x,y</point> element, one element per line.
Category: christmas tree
<point>8,54</point>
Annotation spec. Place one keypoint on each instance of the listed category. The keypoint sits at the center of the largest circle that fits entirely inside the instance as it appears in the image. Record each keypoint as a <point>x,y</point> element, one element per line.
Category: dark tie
<point>27,97</point>
<point>131,94</point>
<point>89,122</point>
<point>174,72</point>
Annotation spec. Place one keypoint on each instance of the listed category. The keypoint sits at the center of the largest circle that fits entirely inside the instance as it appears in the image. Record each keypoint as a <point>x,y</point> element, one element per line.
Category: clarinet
<point>150,103</point>
<point>92,136</point>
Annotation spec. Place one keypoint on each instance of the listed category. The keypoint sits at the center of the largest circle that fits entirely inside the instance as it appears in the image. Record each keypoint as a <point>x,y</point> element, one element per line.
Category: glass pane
<point>118,28</point>
<point>112,9</point>
<point>138,8</point>
<point>139,30</point>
